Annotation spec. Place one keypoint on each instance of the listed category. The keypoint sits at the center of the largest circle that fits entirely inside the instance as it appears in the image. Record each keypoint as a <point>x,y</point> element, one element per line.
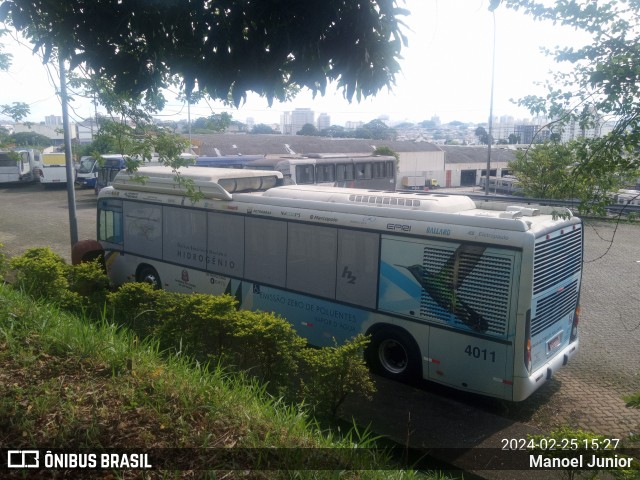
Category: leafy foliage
<point>483,136</point>
<point>16,111</point>
<point>45,275</point>
<point>543,171</point>
<point>308,129</point>
<point>548,171</point>
<point>208,327</point>
<point>227,48</point>
<point>30,139</point>
<point>603,85</point>
<point>269,347</point>
<point>262,129</point>
<point>332,373</point>
<point>204,327</point>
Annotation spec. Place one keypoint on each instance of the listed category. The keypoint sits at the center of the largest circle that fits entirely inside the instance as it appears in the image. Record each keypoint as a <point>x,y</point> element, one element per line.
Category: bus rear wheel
<point>394,354</point>
<point>149,275</point>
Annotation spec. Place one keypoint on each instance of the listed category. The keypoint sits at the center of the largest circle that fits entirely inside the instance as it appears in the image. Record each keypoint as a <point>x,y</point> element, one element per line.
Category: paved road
<point>587,394</point>
<point>35,216</point>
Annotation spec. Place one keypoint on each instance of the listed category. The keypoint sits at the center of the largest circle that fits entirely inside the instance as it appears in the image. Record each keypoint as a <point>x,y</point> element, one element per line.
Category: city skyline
<point>446,71</point>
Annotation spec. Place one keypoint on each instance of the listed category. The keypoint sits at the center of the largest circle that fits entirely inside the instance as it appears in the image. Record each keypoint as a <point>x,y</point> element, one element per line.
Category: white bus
<point>482,300</point>
<point>52,168</point>
<point>351,171</point>
<point>19,166</point>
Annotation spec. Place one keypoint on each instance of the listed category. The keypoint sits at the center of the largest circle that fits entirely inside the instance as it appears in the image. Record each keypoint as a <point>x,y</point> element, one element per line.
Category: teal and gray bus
<point>480,297</point>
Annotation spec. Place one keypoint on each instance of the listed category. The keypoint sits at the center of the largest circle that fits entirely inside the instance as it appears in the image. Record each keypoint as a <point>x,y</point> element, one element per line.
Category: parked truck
<point>418,182</point>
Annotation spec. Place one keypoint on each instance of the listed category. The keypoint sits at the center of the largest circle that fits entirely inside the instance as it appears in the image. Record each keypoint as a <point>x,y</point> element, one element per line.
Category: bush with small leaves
<point>199,325</point>
<point>267,346</point>
<point>332,373</point>
<point>134,305</point>
<point>44,274</point>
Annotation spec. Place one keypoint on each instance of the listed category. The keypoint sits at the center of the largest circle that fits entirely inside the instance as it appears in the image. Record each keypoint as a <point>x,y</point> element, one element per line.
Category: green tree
<point>219,122</point>
<point>334,131</point>
<point>308,129</point>
<point>483,136</point>
<point>514,139</point>
<point>543,171</point>
<point>30,139</point>
<point>379,130</point>
<point>546,170</point>
<point>262,129</point>
<point>603,83</point>
<point>227,50</point>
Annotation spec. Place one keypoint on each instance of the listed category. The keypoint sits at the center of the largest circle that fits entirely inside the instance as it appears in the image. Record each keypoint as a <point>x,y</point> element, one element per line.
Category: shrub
<point>40,272</point>
<point>331,373</point>
<point>199,325</point>
<point>44,274</point>
<point>134,305</point>
<point>269,347</point>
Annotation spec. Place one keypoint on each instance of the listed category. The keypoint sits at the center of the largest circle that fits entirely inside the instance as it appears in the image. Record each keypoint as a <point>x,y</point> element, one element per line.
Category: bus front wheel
<point>148,274</point>
<point>394,354</point>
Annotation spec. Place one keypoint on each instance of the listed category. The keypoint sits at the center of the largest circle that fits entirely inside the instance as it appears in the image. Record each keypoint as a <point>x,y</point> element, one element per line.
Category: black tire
<point>394,354</point>
<point>149,275</point>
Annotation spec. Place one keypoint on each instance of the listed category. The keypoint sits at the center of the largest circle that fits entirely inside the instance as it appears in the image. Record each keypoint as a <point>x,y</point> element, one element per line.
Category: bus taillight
<point>527,342</point>
<point>574,327</point>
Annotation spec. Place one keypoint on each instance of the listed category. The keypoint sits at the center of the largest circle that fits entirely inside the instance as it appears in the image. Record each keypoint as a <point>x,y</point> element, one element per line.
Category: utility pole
<point>71,194</point>
<point>490,139</point>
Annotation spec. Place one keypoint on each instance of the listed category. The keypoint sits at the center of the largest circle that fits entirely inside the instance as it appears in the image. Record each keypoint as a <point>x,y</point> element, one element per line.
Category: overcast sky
<point>446,71</point>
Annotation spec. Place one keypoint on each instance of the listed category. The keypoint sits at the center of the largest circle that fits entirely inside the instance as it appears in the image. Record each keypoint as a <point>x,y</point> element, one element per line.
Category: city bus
<point>352,171</point>
<point>508,185</point>
<point>19,166</point>
<point>485,300</point>
<point>228,161</point>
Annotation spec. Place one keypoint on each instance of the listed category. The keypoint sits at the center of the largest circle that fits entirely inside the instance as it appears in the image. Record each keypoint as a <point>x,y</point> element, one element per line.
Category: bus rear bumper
<point>527,385</point>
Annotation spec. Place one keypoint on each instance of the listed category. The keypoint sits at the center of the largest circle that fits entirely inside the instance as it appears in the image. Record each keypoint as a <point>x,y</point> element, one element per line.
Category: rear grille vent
<point>556,259</point>
<point>552,308</point>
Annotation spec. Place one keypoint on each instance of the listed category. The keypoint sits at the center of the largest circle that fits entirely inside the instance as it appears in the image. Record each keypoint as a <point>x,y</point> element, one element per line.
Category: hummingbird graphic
<point>442,286</point>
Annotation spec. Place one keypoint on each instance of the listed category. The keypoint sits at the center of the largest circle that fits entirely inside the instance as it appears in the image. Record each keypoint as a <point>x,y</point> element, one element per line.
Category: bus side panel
<point>469,363</point>
<point>321,322</point>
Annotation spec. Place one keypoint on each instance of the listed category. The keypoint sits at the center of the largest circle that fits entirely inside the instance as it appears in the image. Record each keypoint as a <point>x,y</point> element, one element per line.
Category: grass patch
<point>71,383</point>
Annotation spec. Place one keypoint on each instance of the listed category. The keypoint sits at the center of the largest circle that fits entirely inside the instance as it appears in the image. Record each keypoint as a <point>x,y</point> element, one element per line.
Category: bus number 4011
<point>481,354</point>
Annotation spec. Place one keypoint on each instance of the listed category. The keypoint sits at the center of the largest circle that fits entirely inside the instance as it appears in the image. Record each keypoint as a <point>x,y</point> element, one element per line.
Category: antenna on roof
<point>289,149</point>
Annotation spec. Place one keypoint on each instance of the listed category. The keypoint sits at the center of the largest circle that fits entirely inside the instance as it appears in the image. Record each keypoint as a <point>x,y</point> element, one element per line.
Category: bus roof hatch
<point>218,183</point>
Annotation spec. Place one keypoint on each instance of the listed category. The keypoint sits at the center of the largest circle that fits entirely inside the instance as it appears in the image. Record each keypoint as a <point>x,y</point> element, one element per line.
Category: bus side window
<point>378,170</point>
<point>304,174</point>
<point>391,168</point>
<point>344,172</point>
<point>110,221</point>
<point>364,171</point>
<point>325,173</point>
